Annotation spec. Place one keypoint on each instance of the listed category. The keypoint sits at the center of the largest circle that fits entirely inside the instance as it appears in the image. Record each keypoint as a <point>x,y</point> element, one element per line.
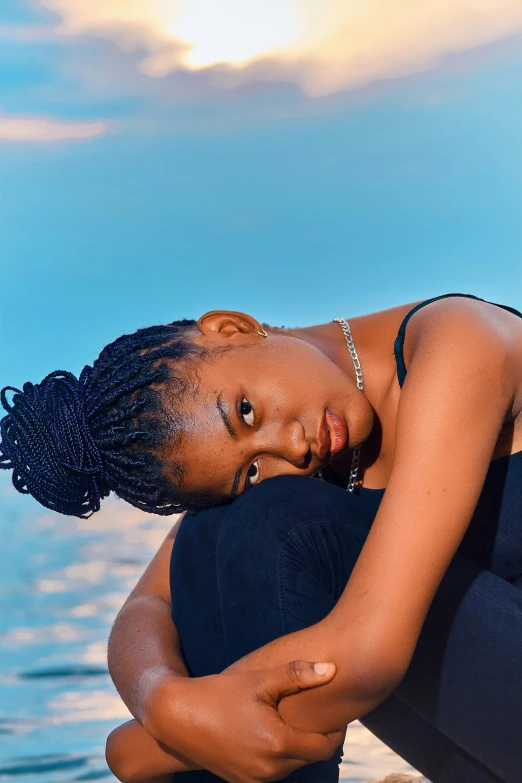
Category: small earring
<point>262,332</point>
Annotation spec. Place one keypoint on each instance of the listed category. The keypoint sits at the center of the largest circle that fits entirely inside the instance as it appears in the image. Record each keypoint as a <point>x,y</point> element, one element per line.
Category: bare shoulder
<point>461,324</point>
<point>467,332</point>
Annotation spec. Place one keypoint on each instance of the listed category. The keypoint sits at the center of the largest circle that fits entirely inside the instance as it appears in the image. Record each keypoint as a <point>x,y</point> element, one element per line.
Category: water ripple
<point>61,586</point>
<point>31,765</point>
<point>65,672</point>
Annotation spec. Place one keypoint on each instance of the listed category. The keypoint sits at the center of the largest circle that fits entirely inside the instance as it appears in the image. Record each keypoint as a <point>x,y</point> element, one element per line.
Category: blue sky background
<point>261,198</point>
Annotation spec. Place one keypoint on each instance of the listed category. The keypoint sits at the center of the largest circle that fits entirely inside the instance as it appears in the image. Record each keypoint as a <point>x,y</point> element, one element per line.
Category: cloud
<point>323,47</point>
<point>43,129</point>
<point>27,33</point>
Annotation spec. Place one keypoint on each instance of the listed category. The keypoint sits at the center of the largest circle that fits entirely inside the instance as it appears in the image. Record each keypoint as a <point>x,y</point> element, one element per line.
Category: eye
<point>247,412</point>
<point>253,474</point>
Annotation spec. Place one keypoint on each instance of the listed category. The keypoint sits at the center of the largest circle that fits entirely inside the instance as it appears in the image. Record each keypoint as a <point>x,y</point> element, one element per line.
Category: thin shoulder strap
<point>399,340</point>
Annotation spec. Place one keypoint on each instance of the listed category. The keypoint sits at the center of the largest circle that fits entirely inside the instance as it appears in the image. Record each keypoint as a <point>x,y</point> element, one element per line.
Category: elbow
<point>117,758</point>
<point>376,680</point>
<point>376,674</point>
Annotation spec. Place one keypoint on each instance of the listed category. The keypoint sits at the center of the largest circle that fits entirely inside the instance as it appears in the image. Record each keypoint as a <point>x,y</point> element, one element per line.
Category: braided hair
<point>71,441</point>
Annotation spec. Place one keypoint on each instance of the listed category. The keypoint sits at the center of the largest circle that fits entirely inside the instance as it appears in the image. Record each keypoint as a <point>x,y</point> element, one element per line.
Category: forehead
<point>207,451</point>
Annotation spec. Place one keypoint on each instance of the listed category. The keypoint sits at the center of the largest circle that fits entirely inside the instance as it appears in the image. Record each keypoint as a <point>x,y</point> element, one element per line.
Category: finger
<point>310,746</point>
<point>337,737</point>
<point>294,677</point>
<point>285,766</point>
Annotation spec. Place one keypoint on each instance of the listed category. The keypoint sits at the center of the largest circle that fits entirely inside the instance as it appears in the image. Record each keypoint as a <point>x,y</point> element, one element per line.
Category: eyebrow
<point>226,418</point>
<point>233,433</point>
<point>235,485</point>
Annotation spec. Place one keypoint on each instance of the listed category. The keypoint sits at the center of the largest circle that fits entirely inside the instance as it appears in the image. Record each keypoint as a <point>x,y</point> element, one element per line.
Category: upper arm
<point>451,410</point>
<point>144,642</point>
<point>155,579</point>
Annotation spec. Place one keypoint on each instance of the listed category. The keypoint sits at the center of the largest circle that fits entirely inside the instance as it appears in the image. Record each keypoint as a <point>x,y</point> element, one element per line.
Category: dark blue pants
<point>277,560</point>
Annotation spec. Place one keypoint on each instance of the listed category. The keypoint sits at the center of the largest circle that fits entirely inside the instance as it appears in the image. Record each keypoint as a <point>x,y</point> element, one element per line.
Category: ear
<point>227,323</point>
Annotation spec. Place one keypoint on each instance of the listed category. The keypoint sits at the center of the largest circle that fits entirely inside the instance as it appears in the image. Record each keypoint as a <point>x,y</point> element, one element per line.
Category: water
<point>61,583</point>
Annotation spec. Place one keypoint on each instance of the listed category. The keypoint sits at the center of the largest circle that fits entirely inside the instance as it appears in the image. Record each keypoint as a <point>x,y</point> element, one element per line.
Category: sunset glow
<point>234,32</point>
<point>321,46</point>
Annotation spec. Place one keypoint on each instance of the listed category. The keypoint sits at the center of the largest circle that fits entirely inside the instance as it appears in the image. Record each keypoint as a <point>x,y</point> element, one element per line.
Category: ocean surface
<point>62,582</point>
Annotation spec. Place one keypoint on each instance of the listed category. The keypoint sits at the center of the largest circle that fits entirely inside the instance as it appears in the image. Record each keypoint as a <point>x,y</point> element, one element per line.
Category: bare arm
<point>144,648</point>
<point>133,756</point>
<point>144,643</point>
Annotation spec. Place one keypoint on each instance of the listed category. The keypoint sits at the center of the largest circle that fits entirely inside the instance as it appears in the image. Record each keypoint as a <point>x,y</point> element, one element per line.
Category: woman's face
<point>266,406</point>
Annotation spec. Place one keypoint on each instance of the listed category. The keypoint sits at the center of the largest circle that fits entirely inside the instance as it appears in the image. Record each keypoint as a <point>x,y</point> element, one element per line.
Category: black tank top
<point>494,536</point>
<point>399,341</point>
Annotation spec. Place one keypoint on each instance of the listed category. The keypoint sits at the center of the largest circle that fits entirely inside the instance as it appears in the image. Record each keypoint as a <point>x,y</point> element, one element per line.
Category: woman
<point>422,426</point>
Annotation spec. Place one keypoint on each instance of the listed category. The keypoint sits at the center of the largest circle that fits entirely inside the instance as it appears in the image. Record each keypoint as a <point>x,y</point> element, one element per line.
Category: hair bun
<point>46,441</point>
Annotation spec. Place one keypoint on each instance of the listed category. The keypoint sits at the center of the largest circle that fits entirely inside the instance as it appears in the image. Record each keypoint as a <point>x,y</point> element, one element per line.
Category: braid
<point>70,442</point>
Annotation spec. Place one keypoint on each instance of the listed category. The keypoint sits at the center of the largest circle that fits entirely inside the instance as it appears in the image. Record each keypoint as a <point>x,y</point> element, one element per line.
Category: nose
<point>291,444</point>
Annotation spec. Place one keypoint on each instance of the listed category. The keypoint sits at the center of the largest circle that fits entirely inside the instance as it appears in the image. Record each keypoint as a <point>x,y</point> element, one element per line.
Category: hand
<point>228,723</point>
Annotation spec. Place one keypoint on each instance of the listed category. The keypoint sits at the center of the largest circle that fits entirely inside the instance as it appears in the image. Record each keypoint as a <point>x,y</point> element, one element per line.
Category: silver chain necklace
<point>354,469</point>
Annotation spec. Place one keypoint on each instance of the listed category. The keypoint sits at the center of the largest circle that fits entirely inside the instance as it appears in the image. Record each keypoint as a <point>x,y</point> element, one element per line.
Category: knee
<point>284,553</point>
<point>266,519</point>
<point>278,505</point>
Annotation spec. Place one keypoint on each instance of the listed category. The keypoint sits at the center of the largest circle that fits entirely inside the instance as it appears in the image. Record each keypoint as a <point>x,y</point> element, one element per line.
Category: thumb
<point>296,676</point>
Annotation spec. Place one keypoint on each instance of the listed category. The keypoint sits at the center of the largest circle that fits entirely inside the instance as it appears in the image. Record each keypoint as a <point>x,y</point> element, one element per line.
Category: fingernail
<point>322,668</point>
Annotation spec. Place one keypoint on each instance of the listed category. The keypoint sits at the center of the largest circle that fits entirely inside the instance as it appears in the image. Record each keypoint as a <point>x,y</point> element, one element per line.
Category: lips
<point>332,437</point>
<point>338,431</point>
<point>323,440</point>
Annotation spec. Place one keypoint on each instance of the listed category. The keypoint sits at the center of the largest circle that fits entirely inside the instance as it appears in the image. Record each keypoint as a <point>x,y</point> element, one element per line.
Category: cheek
<point>207,449</point>
<point>316,370</point>
<point>207,468</point>
<point>295,385</point>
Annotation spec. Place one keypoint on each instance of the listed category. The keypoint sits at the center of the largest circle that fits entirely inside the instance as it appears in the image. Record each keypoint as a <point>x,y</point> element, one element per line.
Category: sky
<point>296,160</point>
<point>299,160</point>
